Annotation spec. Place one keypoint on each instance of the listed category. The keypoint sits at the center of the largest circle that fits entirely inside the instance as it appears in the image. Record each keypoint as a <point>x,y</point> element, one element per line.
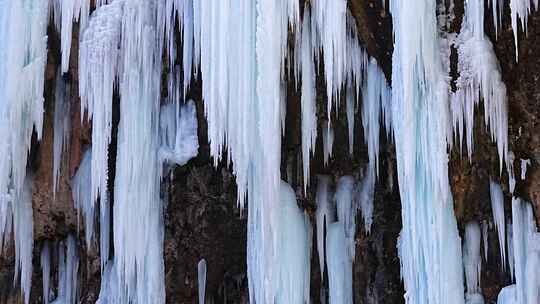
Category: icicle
<point>472,262</point>
<point>109,292</point>
<point>328,141</point>
<point>308,98</point>
<point>81,186</point>
<point>510,246</point>
<point>68,269</point>
<point>201,275</point>
<point>346,210</point>
<point>339,265</point>
<point>520,9</point>
<point>99,65</point>
<point>71,11</point>
<point>350,117</point>
<point>510,170</point>
<point>293,251</point>
<point>524,164</point>
<point>62,126</point>
<point>324,215</point>
<point>526,243</point>
<point>365,197</point>
<point>178,133</point>
<point>45,260</point>
<point>485,227</point>
<point>429,244</point>
<point>23,234</point>
<point>480,78</point>
<point>375,94</point>
<point>138,209</point>
<point>497,207</point>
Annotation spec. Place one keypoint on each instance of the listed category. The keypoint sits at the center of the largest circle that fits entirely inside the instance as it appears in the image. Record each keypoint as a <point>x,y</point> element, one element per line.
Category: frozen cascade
<point>324,216</point>
<point>346,210</point>
<point>201,278</point>
<point>138,209</point>
<point>429,244</point>
<point>99,64</point>
<point>340,266</point>
<point>178,133</point>
<point>472,263</point>
<point>68,269</point>
<point>62,126</point>
<point>526,243</point>
<point>497,207</point>
<point>23,55</point>
<point>480,79</point>
<point>293,257</point>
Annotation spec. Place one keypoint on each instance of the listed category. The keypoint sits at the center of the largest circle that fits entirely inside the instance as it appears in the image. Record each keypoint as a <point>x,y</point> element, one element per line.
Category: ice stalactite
<point>375,97</point>
<point>293,257</point>
<point>324,216</point>
<point>480,79</point>
<point>62,126</point>
<point>429,243</point>
<point>178,133</point>
<point>510,171</point>
<point>328,141</point>
<point>351,111</point>
<point>346,211</point>
<point>526,243</point>
<point>485,227</point>
<point>366,190</point>
<point>510,246</point>
<point>340,266</point>
<point>81,186</point>
<point>472,263</point>
<point>99,65</point>
<point>138,209</point>
<point>520,9</point>
<point>497,207</point>
<point>23,235</point>
<point>201,280</point>
<point>45,260</point>
<point>308,97</point>
<point>68,270</point>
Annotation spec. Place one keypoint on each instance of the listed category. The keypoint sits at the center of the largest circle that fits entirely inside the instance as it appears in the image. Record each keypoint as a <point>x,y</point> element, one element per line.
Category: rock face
<point>202,219</point>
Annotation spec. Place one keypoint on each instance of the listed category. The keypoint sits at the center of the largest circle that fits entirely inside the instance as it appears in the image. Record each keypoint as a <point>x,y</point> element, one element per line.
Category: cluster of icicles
<point>243,53</point>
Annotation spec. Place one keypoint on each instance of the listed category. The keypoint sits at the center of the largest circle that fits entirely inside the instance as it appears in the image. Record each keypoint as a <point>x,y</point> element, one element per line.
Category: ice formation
<point>68,269</point>
<point>324,216</point>
<point>339,265</point>
<point>480,79</point>
<point>429,243</point>
<point>485,227</point>
<point>201,279</point>
<point>62,126</point>
<point>524,164</point>
<point>346,210</point>
<point>108,293</point>
<point>366,189</point>
<point>328,142</point>
<point>472,263</point>
<point>45,260</point>
<point>178,133</point>
<point>497,207</point>
<point>23,236</point>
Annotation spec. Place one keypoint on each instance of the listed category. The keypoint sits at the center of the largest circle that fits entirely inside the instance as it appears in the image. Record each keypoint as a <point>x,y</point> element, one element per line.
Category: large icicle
<point>99,64</point>
<point>138,209</point>
<point>497,207</point>
<point>23,234</point>
<point>429,243</point>
<point>480,78</point>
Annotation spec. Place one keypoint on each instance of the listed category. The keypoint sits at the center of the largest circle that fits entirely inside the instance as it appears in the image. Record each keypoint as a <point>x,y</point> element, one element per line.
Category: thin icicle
<point>201,278</point>
<point>366,190</point>
<point>324,215</point>
<point>45,260</point>
<point>328,141</point>
<point>485,227</point>
<point>62,126</point>
<point>497,207</point>
<point>524,164</point>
